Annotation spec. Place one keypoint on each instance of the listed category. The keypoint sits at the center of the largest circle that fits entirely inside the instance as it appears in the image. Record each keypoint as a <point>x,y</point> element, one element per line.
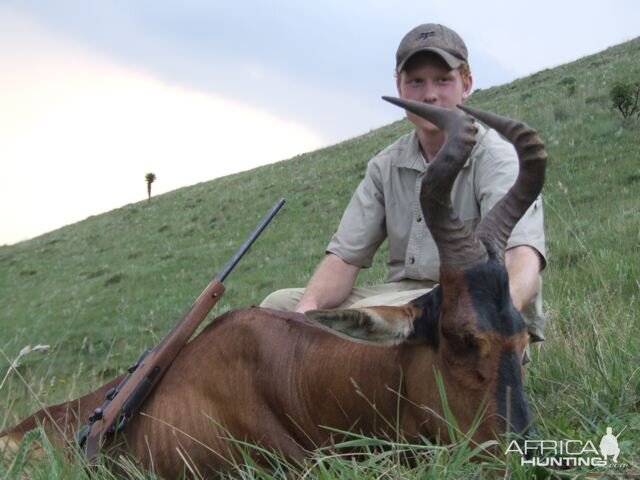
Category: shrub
<point>569,81</point>
<point>625,96</point>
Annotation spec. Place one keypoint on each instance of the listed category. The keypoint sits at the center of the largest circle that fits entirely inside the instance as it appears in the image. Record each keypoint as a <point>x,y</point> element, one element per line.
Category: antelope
<point>288,382</point>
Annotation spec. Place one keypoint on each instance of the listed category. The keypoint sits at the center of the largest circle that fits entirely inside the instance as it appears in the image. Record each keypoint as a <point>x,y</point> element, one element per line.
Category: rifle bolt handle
<point>97,415</point>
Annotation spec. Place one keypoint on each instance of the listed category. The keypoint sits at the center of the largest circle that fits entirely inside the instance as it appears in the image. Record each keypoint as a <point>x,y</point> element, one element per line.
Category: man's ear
<point>398,79</point>
<point>468,86</point>
<point>376,324</point>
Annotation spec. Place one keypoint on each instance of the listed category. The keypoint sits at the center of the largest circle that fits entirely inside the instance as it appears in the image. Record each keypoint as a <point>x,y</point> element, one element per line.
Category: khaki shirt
<point>386,205</point>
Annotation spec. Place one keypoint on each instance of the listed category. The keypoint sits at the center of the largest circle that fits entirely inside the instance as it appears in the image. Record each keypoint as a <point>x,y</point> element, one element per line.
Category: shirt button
<point>412,260</point>
<point>419,219</point>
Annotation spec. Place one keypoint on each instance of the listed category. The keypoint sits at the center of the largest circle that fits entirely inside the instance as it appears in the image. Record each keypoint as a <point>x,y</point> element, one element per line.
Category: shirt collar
<point>413,159</point>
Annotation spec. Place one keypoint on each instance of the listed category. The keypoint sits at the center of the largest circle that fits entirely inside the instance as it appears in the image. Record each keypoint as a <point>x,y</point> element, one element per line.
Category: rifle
<point>122,402</point>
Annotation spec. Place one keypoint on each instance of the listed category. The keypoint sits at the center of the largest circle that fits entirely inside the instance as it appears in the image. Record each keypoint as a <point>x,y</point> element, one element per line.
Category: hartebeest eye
<point>466,343</point>
<point>460,343</point>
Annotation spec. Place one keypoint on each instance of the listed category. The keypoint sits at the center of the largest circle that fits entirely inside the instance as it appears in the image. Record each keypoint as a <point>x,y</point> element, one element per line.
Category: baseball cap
<point>436,38</point>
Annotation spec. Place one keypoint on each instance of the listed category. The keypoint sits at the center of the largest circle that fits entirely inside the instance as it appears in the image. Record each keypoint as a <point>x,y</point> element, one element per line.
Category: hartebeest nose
<point>532,432</point>
<point>521,421</point>
<point>525,443</point>
<point>512,402</point>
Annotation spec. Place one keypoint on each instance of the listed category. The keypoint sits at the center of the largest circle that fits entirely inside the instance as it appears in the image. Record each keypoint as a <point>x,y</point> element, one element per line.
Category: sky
<point>94,95</point>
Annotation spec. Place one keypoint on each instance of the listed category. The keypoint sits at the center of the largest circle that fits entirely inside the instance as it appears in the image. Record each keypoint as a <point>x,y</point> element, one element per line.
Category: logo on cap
<point>425,35</point>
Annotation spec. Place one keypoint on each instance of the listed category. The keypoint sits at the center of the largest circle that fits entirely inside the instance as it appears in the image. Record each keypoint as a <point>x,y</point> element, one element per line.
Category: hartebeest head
<point>476,336</point>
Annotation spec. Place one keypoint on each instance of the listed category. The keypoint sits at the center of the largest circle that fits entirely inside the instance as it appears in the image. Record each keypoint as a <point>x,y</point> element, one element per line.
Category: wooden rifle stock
<point>123,401</point>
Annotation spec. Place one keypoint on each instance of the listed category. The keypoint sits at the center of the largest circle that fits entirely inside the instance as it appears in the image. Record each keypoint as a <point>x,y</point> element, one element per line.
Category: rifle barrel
<point>252,238</point>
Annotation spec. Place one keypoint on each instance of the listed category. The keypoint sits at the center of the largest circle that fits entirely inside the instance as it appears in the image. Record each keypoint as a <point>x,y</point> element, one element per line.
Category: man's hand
<point>330,285</point>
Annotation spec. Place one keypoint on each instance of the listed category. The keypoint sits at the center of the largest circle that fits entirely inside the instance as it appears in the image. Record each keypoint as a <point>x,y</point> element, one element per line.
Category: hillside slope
<point>100,290</point>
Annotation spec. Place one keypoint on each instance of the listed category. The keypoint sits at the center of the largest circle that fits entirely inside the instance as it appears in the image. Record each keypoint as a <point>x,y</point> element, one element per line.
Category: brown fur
<point>278,380</point>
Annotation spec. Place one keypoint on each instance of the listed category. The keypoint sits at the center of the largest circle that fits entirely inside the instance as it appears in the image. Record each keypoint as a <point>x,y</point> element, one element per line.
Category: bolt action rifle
<point>122,402</point>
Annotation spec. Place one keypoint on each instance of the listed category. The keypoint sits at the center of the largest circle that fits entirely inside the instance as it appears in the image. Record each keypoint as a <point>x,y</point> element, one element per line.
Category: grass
<point>101,290</point>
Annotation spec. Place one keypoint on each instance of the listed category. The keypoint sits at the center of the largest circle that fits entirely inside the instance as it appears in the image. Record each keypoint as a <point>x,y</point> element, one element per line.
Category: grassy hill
<point>101,290</point>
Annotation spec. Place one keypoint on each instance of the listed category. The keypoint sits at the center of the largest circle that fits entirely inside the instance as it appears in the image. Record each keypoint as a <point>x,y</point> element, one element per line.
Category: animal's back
<point>251,375</point>
<point>254,375</point>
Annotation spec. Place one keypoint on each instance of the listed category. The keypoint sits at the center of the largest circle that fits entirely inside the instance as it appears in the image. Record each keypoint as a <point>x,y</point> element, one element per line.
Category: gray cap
<point>432,37</point>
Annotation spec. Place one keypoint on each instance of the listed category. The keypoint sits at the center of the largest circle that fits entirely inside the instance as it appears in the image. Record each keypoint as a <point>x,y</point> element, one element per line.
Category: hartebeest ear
<point>375,324</point>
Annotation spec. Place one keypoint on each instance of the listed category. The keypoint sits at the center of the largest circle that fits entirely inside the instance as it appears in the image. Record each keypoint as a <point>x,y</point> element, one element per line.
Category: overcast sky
<point>93,95</point>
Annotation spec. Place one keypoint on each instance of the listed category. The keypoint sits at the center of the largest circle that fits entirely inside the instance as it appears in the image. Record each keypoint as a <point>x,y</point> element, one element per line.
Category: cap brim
<point>449,59</point>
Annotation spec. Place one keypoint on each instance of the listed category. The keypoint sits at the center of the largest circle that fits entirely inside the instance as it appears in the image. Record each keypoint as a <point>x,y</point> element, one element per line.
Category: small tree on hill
<point>150,178</point>
<point>625,97</point>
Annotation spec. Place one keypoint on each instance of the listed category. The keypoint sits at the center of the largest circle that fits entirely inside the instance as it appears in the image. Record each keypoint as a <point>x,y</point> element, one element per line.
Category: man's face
<point>427,78</point>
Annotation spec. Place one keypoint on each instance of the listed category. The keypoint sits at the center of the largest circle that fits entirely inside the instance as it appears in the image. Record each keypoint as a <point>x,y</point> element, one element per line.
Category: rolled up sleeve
<point>362,228</point>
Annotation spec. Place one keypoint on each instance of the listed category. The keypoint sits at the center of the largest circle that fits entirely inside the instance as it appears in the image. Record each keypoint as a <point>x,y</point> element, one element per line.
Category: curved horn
<point>494,230</point>
<point>440,117</point>
<point>458,247</point>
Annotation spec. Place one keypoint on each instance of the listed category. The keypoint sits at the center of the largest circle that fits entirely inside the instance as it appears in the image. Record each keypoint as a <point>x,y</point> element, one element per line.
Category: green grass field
<point>101,290</point>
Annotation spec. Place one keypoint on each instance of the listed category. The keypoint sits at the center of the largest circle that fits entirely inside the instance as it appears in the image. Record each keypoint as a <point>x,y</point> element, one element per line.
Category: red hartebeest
<point>288,383</point>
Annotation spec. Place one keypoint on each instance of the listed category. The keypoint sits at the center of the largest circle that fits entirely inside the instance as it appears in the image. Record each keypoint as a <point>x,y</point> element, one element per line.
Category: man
<point>432,67</point>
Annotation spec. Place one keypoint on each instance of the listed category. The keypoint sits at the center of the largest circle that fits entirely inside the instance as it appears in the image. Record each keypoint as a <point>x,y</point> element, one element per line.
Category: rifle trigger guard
<point>82,435</point>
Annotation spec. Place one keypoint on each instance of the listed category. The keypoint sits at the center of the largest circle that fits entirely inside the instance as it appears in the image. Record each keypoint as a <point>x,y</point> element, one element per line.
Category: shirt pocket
<point>464,200</point>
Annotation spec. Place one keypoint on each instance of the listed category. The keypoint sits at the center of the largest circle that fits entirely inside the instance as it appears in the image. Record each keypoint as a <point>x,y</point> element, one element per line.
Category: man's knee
<point>285,299</point>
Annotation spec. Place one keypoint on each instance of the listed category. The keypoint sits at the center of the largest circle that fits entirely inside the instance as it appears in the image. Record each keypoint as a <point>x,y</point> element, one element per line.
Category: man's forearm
<point>330,284</point>
<point>523,265</point>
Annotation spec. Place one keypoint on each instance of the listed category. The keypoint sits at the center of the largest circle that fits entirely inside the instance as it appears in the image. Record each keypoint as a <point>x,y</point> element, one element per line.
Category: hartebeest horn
<point>494,230</point>
<point>458,247</point>
<point>440,117</point>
